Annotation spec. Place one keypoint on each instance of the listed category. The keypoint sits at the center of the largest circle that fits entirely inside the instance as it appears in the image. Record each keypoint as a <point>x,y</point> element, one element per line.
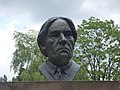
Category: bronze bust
<point>56,41</point>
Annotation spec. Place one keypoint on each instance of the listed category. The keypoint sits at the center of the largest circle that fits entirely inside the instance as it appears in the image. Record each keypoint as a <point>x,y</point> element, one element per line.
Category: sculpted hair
<point>45,27</point>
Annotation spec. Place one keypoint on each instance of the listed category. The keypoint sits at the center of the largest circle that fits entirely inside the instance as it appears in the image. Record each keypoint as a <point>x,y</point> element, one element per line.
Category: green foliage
<point>3,79</point>
<point>27,56</point>
<point>98,49</point>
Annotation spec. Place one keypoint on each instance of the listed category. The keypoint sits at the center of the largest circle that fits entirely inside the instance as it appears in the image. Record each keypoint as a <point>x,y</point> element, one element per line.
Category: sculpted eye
<point>55,34</point>
<point>68,33</point>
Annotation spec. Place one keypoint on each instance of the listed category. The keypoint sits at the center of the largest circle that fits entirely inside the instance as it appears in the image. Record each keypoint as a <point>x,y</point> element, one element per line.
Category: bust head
<point>56,40</point>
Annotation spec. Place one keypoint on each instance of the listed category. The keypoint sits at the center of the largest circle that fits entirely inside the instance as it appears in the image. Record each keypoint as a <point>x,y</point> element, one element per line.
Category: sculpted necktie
<point>58,74</point>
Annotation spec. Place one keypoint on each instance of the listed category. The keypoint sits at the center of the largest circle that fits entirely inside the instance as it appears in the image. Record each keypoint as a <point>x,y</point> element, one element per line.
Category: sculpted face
<point>59,43</point>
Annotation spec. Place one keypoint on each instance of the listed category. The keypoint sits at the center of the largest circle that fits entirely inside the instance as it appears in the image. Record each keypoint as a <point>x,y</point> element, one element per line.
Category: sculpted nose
<point>63,40</point>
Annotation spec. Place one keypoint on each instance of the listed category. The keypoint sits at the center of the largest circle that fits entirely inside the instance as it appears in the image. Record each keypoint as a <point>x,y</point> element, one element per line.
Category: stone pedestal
<point>61,85</point>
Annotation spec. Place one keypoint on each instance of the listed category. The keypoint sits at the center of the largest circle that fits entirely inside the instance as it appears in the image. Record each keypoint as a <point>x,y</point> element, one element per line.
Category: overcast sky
<point>22,15</point>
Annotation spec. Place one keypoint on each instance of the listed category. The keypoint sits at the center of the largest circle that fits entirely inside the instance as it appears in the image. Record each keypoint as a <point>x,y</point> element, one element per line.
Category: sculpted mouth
<point>65,50</point>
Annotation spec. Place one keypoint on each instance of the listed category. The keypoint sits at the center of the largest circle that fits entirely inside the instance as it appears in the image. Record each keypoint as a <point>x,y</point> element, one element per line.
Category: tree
<point>3,79</point>
<point>27,57</point>
<point>98,49</point>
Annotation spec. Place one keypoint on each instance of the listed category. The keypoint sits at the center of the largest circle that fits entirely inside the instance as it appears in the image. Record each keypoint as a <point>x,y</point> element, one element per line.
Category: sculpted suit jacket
<point>49,71</point>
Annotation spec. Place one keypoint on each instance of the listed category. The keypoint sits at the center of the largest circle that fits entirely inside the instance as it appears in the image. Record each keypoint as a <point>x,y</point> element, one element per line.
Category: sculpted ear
<point>43,49</point>
<point>42,46</point>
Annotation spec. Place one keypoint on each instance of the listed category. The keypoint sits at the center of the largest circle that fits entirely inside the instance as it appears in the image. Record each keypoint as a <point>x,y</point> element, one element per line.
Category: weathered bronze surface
<point>56,41</point>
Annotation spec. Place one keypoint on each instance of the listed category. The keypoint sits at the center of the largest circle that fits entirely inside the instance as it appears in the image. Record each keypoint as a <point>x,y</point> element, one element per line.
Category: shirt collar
<point>52,68</point>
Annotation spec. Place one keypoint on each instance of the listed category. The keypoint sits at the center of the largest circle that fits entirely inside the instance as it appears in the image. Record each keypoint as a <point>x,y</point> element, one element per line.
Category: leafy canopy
<point>98,49</point>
